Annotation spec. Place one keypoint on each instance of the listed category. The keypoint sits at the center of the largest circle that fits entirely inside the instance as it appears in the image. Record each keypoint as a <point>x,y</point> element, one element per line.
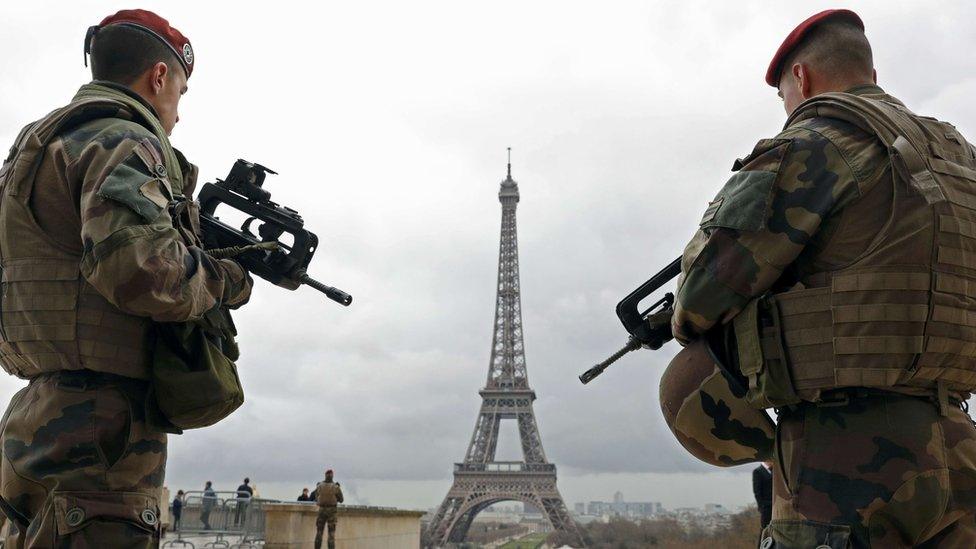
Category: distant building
<point>536,523</point>
<point>715,509</point>
<point>710,514</point>
<point>586,519</point>
<point>709,518</point>
<point>620,508</point>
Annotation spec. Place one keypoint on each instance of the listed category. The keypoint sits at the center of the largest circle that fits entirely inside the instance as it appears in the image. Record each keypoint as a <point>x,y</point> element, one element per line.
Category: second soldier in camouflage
<point>838,264</point>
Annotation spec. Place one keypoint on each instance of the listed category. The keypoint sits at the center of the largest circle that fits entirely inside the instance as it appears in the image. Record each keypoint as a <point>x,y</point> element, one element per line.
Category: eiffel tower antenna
<point>480,481</point>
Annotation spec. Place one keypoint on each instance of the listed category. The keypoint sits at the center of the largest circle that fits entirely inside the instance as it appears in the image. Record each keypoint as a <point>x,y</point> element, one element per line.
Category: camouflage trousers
<point>327,515</point>
<point>881,470</point>
<point>80,465</point>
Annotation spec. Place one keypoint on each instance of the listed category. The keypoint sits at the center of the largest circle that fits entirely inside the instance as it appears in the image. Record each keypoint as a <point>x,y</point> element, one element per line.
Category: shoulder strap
<point>91,103</point>
<point>101,92</point>
<point>893,124</point>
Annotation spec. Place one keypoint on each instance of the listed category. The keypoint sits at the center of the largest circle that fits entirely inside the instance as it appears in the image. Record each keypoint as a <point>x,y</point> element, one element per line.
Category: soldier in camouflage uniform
<point>328,495</point>
<point>838,267</point>
<point>98,242</point>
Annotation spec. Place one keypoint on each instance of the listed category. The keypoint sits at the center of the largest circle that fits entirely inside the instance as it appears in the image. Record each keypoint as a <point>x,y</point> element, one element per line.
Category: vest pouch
<point>194,378</point>
<point>326,494</point>
<point>762,359</point>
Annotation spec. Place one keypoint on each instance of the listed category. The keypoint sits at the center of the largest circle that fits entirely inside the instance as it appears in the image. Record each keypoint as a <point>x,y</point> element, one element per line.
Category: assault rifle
<point>262,254</point>
<point>650,328</point>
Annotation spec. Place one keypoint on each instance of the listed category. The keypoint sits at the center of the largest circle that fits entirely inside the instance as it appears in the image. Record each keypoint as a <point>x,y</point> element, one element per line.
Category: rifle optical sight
<point>247,178</point>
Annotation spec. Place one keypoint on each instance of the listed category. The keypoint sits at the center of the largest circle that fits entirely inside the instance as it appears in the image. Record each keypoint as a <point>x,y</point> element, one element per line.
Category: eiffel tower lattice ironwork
<point>480,481</point>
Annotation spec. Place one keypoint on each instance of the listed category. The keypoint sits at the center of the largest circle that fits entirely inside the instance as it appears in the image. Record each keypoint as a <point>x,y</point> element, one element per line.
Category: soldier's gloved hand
<point>684,337</point>
<point>659,324</point>
<point>660,320</point>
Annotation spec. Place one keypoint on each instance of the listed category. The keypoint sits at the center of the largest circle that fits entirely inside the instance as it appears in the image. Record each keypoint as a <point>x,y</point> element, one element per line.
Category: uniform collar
<point>128,91</point>
<point>140,111</point>
<point>874,91</point>
<point>866,89</point>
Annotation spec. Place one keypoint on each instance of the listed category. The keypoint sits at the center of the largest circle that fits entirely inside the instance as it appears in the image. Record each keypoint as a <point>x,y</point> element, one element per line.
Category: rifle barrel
<point>335,294</point>
<point>587,376</point>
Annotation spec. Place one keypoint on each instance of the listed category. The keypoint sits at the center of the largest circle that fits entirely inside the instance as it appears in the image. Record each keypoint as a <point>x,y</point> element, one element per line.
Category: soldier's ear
<point>874,75</point>
<point>158,74</point>
<point>801,79</point>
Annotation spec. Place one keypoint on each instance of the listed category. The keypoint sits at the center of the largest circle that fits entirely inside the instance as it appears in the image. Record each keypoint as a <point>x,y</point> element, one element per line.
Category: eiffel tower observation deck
<point>480,481</point>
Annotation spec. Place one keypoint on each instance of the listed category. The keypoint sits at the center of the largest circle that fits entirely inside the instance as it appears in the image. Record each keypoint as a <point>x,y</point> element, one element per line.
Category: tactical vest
<point>51,318</point>
<point>902,315</point>
<point>326,494</point>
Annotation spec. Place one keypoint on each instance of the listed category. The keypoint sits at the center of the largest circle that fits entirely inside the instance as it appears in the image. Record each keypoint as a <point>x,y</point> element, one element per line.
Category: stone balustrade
<point>292,526</point>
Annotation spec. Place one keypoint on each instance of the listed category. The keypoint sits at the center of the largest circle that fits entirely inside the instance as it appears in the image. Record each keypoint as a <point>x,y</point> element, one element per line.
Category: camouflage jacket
<point>782,224</point>
<point>133,254</point>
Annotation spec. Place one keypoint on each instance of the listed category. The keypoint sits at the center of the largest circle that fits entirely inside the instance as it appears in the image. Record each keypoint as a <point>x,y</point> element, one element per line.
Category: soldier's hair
<point>121,54</point>
<point>838,47</point>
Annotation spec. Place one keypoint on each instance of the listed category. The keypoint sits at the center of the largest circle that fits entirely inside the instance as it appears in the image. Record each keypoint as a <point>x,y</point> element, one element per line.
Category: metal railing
<point>221,515</point>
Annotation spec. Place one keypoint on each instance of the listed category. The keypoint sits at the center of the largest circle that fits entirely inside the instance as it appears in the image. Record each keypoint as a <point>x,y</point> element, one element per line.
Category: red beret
<point>157,26</point>
<point>797,36</point>
<point>329,472</point>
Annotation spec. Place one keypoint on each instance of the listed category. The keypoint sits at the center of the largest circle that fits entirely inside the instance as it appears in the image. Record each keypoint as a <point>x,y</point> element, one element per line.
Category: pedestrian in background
<point>177,509</point>
<point>244,493</point>
<point>328,495</point>
<point>209,500</point>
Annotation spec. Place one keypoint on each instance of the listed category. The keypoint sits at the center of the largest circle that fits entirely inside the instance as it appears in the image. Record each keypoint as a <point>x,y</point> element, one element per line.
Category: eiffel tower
<point>480,481</point>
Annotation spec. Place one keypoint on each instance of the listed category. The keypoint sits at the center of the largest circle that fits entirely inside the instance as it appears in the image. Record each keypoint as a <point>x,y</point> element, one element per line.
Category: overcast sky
<point>388,123</point>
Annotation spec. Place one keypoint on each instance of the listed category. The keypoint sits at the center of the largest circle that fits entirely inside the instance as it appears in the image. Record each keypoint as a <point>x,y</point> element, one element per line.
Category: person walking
<point>209,501</point>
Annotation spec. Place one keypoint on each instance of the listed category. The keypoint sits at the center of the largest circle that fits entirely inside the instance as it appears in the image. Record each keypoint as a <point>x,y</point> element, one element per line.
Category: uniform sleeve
<point>133,255</point>
<point>339,497</point>
<point>757,226</point>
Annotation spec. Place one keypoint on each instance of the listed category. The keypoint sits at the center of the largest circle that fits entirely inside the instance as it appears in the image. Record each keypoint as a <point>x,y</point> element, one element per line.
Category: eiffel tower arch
<point>480,481</point>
